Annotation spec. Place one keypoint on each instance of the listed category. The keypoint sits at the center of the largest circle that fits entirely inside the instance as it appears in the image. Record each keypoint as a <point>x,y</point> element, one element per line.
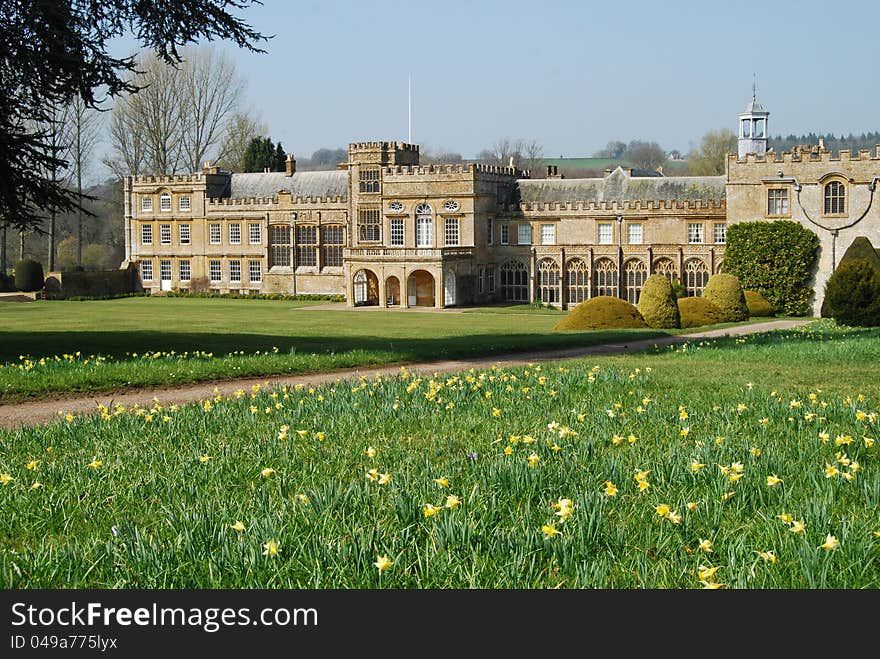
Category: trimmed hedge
<point>657,303</point>
<point>726,293</point>
<point>776,258</point>
<point>698,311</point>
<point>860,248</point>
<point>852,294</point>
<point>758,304</point>
<point>29,275</point>
<point>602,312</point>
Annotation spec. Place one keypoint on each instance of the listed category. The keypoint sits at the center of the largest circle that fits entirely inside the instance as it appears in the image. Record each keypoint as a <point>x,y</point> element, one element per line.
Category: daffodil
<point>735,477</point>
<point>268,471</point>
<point>773,480</point>
<point>696,466</point>
<point>691,505</point>
<point>785,517</point>
<point>767,556</point>
<point>383,563</point>
<point>705,545</point>
<point>564,508</point>
<point>384,479</point>
<point>442,482</point>
<point>204,458</point>
<point>663,510</point>
<point>712,585</point>
<point>549,530</point>
<point>533,459</point>
<point>238,526</point>
<point>707,573</point>
<point>798,526</point>
<point>674,517</point>
<point>373,475</point>
<point>431,510</point>
<point>36,485</point>
<point>95,464</point>
<point>610,489</point>
<point>302,498</point>
<point>452,502</point>
<point>271,548</point>
<point>830,543</point>
<point>32,464</point>
<point>370,452</point>
<point>830,471</point>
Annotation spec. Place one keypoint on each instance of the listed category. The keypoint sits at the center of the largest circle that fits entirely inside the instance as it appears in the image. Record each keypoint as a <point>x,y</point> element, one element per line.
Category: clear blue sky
<point>571,75</point>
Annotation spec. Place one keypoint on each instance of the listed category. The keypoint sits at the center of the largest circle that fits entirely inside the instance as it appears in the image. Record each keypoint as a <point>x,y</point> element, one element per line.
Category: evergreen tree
<point>262,153</point>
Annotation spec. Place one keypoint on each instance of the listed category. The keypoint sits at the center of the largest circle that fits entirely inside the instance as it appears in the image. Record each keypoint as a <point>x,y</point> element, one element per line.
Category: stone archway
<point>392,291</point>
<point>366,288</point>
<point>420,289</point>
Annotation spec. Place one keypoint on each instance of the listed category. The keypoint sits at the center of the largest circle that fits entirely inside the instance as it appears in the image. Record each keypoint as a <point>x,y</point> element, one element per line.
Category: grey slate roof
<point>618,186</point>
<point>332,183</point>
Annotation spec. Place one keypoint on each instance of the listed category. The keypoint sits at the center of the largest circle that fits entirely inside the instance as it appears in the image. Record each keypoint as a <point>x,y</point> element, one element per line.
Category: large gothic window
<point>578,281</point>
<point>548,281</point>
<point>605,278</point>
<point>635,272</point>
<point>696,274</point>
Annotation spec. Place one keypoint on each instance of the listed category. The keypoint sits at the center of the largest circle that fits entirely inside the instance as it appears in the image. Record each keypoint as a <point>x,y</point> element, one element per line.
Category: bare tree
<point>647,155</point>
<point>242,128</point>
<point>525,154</point>
<point>80,131</point>
<point>211,93</point>
<point>428,156</point>
<point>128,155</point>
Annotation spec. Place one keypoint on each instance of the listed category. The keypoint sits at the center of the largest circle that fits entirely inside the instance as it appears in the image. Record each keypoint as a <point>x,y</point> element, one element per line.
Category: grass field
<point>155,341</point>
<point>746,463</point>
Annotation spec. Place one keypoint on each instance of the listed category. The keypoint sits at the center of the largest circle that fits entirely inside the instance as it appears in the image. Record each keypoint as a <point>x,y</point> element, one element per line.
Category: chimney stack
<point>208,168</point>
<point>290,165</point>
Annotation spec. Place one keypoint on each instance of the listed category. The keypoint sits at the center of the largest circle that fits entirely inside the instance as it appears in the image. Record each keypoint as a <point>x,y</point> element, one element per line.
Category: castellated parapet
<point>237,202</point>
<point>807,154</point>
<point>710,206</point>
<point>461,168</point>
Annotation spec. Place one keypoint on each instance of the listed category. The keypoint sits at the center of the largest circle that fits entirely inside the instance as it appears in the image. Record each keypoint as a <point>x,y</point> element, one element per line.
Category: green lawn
<point>137,336</point>
<point>740,463</point>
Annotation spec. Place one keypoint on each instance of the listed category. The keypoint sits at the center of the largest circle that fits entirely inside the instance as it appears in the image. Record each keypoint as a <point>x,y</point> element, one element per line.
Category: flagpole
<point>409,110</point>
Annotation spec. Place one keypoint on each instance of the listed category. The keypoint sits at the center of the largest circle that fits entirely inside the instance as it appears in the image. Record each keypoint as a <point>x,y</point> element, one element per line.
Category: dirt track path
<point>45,410</point>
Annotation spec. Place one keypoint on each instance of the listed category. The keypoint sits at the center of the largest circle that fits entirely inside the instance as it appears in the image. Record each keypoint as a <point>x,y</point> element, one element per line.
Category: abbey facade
<point>384,230</point>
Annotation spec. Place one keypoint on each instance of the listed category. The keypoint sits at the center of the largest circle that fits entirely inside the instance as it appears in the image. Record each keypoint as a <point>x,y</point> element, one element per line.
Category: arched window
<point>548,281</point>
<point>578,281</point>
<point>835,198</point>
<point>605,278</point>
<point>636,272</point>
<point>424,226</point>
<point>696,274</point>
<point>718,266</point>
<point>666,267</point>
<point>515,282</point>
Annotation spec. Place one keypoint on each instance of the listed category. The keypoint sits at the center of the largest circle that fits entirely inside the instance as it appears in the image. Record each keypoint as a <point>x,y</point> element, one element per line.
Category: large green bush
<point>602,312</point>
<point>28,275</point>
<point>776,258</point>
<point>852,294</point>
<point>698,311</point>
<point>758,304</point>
<point>860,248</point>
<point>657,303</point>
<point>726,293</point>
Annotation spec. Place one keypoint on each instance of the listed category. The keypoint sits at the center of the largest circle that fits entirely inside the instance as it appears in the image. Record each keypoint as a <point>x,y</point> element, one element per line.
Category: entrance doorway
<point>420,289</point>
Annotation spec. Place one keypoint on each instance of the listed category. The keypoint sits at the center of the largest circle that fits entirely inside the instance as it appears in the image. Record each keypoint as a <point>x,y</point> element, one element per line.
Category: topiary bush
<point>28,275</point>
<point>698,311</point>
<point>726,293</point>
<point>860,248</point>
<point>758,304</point>
<point>602,312</point>
<point>657,303</point>
<point>852,294</point>
<point>679,289</point>
<point>777,258</point>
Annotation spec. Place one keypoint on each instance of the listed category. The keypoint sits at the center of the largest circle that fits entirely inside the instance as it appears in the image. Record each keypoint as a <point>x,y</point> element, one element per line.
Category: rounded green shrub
<point>698,311</point>
<point>758,304</point>
<point>657,303</point>
<point>28,275</point>
<point>726,293</point>
<point>852,294</point>
<point>860,248</point>
<point>602,312</point>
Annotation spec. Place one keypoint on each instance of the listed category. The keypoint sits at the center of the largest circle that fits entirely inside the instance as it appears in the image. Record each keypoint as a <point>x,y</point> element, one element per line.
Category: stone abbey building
<point>384,230</point>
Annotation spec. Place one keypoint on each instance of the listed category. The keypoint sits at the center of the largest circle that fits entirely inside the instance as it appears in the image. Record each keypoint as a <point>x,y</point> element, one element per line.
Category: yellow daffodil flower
<point>452,502</point>
<point>707,573</point>
<point>549,530</point>
<point>610,489</point>
<point>238,526</point>
<point>268,471</point>
<point>798,526</point>
<point>773,480</point>
<point>767,556</point>
<point>430,510</point>
<point>384,479</point>
<point>383,563</point>
<point>271,548</point>
<point>830,543</point>
<point>533,459</point>
<point>663,510</point>
<point>705,545</point>
<point>442,482</point>
<point>696,466</point>
<point>95,464</point>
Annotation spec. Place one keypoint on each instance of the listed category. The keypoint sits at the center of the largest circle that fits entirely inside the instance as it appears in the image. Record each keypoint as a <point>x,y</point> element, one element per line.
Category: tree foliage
<point>646,155</point>
<point>710,159</point>
<point>57,49</point>
<point>777,259</point>
<point>263,154</point>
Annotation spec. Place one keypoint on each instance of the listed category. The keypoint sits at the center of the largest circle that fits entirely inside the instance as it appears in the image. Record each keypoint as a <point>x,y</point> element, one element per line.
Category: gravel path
<point>45,410</point>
